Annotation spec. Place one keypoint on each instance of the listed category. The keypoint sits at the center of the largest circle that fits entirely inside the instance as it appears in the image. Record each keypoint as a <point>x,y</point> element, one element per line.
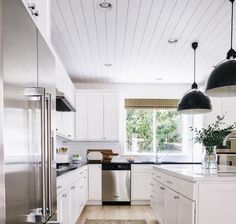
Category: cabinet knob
<point>176,197</point>
<point>72,188</point>
<point>151,184</point>
<point>169,182</point>
<point>69,135</point>
<point>35,13</point>
<point>31,6</point>
<point>162,188</point>
<point>64,195</point>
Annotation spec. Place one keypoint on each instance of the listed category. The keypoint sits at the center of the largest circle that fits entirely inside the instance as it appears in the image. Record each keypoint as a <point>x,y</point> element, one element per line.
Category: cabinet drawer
<point>187,189</point>
<point>171,182</point>
<point>141,168</point>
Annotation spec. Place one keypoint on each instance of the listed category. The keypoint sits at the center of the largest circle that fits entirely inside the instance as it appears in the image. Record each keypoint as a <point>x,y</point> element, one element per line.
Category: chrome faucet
<point>231,135</point>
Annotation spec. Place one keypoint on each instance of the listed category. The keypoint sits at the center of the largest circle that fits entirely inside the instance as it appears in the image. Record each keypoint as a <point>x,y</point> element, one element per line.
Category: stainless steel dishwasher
<point>116,184</point>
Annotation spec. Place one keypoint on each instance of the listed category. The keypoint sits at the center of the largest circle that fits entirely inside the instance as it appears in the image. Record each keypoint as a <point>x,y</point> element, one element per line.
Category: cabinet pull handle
<point>176,197</point>
<point>31,6</point>
<point>151,184</point>
<point>59,187</point>
<point>64,195</point>
<point>158,177</point>
<point>72,188</point>
<point>162,188</point>
<point>169,182</point>
<point>35,13</point>
<point>85,177</point>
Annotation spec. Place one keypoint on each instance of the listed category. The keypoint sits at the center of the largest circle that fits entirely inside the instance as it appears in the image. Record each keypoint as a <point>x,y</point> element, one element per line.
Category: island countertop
<point>195,173</point>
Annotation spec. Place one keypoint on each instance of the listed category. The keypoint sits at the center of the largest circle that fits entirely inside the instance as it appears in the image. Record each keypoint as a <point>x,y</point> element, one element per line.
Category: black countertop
<point>71,167</point>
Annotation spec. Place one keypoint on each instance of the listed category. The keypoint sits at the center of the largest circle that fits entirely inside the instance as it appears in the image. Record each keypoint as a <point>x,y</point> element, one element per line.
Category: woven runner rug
<point>103,221</point>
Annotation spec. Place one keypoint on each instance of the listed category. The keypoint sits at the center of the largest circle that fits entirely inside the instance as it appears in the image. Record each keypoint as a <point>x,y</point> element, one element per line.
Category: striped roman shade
<point>151,103</point>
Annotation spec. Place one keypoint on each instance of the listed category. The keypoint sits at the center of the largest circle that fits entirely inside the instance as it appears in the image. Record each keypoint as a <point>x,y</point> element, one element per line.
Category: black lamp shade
<point>194,102</point>
<point>222,80</point>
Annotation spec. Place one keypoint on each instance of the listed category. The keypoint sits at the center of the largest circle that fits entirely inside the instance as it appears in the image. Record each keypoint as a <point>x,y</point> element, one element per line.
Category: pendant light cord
<point>231,54</point>
<point>194,46</point>
<point>232,22</point>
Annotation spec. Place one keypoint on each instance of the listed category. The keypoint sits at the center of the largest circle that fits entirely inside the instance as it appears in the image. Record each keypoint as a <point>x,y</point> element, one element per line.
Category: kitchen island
<point>187,194</point>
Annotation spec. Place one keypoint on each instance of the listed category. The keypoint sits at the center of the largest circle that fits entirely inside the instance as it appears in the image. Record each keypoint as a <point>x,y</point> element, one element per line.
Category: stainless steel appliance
<point>116,183</point>
<point>28,101</point>
<point>226,159</point>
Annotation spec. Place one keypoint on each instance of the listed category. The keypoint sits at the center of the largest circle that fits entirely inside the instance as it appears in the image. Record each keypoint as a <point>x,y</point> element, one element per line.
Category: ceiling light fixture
<point>105,6</point>
<point>172,41</point>
<point>222,80</point>
<point>108,64</point>
<point>194,101</point>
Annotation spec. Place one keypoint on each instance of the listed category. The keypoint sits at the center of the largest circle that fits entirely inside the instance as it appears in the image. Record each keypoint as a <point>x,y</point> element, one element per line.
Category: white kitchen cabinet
<point>97,117</point>
<point>141,184</point>
<point>160,202</point>
<point>95,183</point>
<point>39,11</point>
<point>72,195</point>
<point>171,206</point>
<point>65,125</point>
<point>81,116</point>
<point>63,207</point>
<point>186,210</point>
<point>111,116</point>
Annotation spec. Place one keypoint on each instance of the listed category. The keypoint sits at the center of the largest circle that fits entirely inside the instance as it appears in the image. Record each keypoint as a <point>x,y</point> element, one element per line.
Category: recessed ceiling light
<point>108,64</point>
<point>159,78</point>
<point>172,41</point>
<point>105,6</point>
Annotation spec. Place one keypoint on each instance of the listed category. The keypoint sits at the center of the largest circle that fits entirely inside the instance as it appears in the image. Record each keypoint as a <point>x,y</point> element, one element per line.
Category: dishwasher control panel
<point>116,166</point>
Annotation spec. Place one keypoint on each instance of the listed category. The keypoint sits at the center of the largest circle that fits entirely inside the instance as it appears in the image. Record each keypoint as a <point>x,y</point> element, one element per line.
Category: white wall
<point>219,107</point>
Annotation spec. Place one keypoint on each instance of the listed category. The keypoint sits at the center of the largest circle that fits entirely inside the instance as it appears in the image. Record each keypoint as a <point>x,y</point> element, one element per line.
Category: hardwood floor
<point>117,212</point>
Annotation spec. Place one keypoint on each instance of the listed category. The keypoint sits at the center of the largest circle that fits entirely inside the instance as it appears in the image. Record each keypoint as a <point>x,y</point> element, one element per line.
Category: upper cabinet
<point>39,10</point>
<point>65,120</point>
<point>97,117</point>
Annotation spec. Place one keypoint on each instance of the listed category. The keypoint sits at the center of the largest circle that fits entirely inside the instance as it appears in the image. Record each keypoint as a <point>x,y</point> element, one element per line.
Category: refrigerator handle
<point>39,92</point>
<point>49,151</point>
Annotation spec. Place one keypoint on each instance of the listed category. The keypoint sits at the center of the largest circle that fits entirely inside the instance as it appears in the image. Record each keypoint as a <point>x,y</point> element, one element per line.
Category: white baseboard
<point>91,202</point>
<point>140,202</point>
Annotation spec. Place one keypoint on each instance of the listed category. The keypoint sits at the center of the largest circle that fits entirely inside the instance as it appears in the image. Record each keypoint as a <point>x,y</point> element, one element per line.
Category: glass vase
<point>210,158</point>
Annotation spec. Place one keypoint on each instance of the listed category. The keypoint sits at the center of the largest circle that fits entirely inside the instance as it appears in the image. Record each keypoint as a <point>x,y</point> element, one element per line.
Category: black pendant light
<point>222,80</point>
<point>194,101</point>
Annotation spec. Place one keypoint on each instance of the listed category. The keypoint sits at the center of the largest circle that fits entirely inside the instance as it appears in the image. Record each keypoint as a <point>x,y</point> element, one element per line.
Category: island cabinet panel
<point>217,203</point>
<point>189,195</point>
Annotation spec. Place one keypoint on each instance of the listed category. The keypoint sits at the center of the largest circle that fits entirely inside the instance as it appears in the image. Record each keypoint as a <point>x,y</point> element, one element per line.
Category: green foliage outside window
<point>139,130</point>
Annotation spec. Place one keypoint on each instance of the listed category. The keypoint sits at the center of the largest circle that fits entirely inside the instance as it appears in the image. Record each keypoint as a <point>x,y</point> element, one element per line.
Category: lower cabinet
<point>170,207</point>
<point>141,184</point>
<point>63,207</point>
<point>73,196</point>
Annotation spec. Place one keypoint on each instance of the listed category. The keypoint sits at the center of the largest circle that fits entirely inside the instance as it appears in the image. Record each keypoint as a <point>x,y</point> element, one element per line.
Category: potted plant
<point>212,137</point>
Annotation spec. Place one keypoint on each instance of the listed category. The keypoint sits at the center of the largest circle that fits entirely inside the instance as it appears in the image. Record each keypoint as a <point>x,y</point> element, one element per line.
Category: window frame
<point>187,144</point>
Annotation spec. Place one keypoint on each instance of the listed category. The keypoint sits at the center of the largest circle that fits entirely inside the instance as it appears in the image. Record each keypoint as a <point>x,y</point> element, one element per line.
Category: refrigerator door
<point>28,119</point>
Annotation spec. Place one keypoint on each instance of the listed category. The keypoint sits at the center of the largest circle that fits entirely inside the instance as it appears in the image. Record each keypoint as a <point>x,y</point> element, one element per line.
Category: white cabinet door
<point>73,203</point>
<point>186,211</point>
<point>81,116</point>
<point>68,122</point>
<point>171,207</point>
<point>95,182</point>
<point>111,116</point>
<point>95,116</point>
<point>141,186</point>
<point>63,207</point>
<point>160,202</point>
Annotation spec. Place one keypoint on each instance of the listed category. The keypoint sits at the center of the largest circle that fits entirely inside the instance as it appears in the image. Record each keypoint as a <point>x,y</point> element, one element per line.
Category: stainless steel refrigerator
<point>27,106</point>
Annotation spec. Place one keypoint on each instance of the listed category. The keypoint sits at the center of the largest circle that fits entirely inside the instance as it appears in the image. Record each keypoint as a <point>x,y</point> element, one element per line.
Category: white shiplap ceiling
<point>133,37</point>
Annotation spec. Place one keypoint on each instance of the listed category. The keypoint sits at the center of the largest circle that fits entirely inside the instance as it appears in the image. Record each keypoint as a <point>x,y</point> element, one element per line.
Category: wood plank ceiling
<point>133,37</point>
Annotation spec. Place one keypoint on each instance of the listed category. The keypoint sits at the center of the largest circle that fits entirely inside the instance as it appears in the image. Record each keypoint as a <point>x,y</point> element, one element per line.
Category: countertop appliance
<point>116,183</point>
<point>27,133</point>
